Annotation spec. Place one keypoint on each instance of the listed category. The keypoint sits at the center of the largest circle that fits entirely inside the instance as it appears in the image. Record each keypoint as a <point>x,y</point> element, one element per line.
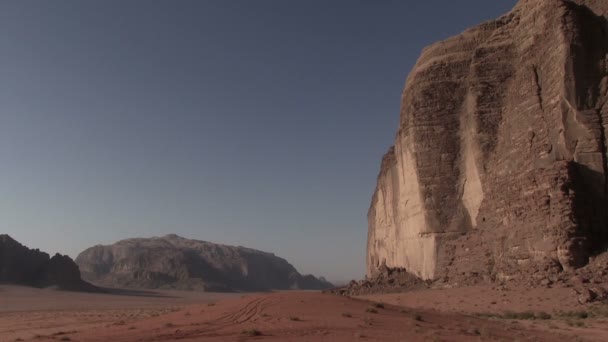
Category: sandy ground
<point>284,316</point>
<point>483,299</point>
<point>430,315</point>
<point>495,304</point>
<point>27,312</point>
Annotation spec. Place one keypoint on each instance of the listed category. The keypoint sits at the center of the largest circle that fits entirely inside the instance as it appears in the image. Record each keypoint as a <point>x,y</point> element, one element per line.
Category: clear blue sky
<point>256,123</point>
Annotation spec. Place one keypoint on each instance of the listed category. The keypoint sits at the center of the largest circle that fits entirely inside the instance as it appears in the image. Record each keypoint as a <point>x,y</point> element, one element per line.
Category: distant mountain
<point>173,262</point>
<point>23,266</point>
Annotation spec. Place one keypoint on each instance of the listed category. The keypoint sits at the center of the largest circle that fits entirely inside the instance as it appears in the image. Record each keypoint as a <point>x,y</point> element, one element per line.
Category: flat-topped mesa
<point>174,262</point>
<point>499,164</point>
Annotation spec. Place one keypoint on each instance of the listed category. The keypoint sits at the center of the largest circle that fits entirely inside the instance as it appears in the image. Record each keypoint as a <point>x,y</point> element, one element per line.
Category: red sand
<point>283,316</point>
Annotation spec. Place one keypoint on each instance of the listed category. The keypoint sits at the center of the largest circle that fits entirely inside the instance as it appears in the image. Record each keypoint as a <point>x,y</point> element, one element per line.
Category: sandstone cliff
<point>499,168</point>
<point>23,266</point>
<point>174,262</point>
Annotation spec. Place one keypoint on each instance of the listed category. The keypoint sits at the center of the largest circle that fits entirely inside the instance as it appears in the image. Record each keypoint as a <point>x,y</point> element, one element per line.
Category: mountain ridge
<point>175,262</point>
<point>31,267</point>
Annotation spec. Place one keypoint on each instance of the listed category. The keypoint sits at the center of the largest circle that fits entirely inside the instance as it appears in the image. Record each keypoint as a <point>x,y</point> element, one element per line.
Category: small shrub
<point>576,323</point>
<point>484,314</point>
<point>294,318</point>
<point>347,315</point>
<point>211,304</point>
<point>371,310</point>
<point>169,325</point>
<point>251,332</point>
<point>509,315</point>
<point>574,314</point>
<point>600,310</point>
<point>379,305</point>
<point>525,315</point>
<point>418,317</point>
<point>543,315</point>
<point>485,332</point>
<point>59,333</point>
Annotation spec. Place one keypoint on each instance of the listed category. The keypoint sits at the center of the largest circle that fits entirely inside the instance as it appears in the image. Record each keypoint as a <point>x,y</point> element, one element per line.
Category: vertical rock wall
<point>499,164</point>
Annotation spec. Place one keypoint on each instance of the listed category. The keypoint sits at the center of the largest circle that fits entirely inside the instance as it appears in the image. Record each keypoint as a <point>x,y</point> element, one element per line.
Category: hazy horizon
<point>252,123</point>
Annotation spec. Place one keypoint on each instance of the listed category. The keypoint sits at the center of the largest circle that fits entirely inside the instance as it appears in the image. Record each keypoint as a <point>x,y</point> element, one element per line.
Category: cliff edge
<point>499,168</point>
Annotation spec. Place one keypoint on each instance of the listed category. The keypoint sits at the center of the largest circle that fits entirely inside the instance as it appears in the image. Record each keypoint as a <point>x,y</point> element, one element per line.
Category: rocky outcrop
<point>23,266</point>
<point>173,262</point>
<point>385,280</point>
<point>499,168</point>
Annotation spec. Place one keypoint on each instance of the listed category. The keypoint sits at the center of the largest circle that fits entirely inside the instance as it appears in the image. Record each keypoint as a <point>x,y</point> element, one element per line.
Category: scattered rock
<point>388,281</point>
<point>586,296</point>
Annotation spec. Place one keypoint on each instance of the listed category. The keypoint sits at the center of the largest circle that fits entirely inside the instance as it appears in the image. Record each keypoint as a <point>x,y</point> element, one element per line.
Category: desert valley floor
<point>464,314</point>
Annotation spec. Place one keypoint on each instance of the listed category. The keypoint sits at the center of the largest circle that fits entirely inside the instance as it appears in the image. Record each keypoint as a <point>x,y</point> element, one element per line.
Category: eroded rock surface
<point>385,280</point>
<point>23,266</point>
<point>499,168</point>
<point>173,262</point>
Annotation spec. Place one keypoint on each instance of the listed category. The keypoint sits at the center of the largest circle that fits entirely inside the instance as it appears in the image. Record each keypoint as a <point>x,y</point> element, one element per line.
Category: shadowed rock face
<point>499,165</point>
<point>174,262</point>
<point>31,267</point>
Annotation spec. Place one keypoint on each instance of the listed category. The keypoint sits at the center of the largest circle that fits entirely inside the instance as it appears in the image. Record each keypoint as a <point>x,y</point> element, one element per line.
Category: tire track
<point>213,328</point>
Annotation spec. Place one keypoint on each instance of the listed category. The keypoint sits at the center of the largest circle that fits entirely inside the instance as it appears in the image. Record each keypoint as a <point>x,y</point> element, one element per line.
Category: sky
<point>255,123</point>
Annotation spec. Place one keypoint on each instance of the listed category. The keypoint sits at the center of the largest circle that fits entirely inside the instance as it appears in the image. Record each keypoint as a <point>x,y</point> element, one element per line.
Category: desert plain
<point>488,221</point>
<point>478,313</point>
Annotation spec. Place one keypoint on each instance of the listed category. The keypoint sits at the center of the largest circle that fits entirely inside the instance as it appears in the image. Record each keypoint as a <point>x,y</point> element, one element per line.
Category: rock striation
<point>23,266</point>
<point>499,168</point>
<point>173,262</point>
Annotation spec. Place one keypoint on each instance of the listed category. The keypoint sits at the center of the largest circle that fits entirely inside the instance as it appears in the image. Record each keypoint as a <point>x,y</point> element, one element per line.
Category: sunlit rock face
<point>499,164</point>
